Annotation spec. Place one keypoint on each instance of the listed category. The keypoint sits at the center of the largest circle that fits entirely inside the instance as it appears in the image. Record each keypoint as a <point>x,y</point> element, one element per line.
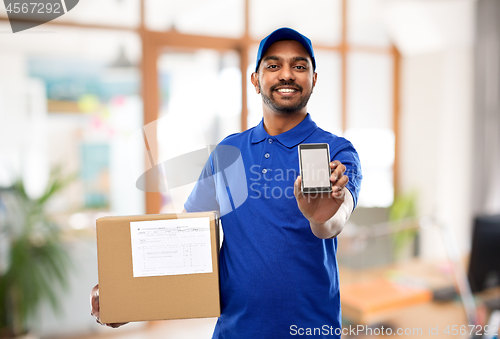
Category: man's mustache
<point>287,83</point>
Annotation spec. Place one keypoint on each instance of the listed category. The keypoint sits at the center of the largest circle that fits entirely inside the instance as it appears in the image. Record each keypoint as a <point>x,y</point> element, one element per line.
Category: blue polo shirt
<point>278,280</point>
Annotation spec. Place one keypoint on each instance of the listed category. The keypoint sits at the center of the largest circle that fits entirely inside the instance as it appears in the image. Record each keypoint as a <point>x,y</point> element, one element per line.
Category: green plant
<point>403,208</point>
<point>37,259</point>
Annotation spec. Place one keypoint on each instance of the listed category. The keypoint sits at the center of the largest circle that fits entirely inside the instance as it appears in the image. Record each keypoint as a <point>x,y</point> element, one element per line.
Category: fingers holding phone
<point>338,179</point>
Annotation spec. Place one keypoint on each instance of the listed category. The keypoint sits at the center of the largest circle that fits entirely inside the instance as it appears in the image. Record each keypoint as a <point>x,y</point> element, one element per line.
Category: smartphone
<point>314,162</point>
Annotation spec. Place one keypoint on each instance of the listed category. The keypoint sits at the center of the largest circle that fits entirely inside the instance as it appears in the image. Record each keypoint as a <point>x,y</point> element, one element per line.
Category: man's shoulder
<point>237,138</point>
<point>336,142</point>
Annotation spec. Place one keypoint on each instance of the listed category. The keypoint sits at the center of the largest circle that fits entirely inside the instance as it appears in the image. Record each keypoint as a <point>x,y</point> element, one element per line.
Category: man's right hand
<point>94,307</point>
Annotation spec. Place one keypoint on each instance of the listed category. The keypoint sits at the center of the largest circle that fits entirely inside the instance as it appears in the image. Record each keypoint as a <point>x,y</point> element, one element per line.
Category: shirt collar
<point>289,138</point>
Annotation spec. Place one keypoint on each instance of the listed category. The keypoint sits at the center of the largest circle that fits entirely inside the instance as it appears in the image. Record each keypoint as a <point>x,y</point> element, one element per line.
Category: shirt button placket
<point>267,155</point>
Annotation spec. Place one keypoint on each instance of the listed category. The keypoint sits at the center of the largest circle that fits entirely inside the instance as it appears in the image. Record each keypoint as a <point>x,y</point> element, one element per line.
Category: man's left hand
<point>318,208</point>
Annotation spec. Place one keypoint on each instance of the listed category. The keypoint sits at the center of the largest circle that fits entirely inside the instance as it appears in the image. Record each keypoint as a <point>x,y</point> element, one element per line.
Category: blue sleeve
<point>347,155</point>
<point>203,196</point>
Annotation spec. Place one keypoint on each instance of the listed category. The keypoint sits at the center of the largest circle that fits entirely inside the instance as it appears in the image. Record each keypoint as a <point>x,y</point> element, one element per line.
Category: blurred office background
<point>115,87</point>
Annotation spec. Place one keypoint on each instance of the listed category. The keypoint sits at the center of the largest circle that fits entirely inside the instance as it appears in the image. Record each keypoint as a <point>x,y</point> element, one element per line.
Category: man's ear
<point>255,81</point>
<point>315,78</point>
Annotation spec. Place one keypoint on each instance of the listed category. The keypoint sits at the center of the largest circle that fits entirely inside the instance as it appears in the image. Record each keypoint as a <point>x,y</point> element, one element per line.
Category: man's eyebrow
<point>295,59</point>
<point>271,57</point>
<point>299,58</point>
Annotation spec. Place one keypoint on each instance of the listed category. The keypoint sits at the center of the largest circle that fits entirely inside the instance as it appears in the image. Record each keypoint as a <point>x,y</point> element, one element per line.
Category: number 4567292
<point>33,7</point>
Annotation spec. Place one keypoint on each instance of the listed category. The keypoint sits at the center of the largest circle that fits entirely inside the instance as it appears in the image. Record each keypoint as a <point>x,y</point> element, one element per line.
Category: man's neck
<point>276,123</point>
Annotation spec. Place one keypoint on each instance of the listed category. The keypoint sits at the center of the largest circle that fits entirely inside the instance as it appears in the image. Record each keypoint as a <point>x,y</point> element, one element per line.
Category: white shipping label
<point>171,247</point>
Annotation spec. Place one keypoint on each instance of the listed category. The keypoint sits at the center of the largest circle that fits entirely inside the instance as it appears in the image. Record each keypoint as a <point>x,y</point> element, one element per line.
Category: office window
<point>369,124</point>
<point>365,23</point>
<point>325,103</point>
<point>320,21</point>
<point>198,17</point>
<point>369,87</point>
<point>90,84</point>
<point>124,13</point>
<point>200,104</point>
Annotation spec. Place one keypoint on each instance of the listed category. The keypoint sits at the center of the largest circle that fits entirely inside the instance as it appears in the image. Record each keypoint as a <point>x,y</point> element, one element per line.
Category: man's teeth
<point>286,90</point>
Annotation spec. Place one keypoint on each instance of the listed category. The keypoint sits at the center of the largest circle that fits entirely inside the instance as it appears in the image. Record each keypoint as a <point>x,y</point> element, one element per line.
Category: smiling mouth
<point>286,90</point>
<point>286,87</point>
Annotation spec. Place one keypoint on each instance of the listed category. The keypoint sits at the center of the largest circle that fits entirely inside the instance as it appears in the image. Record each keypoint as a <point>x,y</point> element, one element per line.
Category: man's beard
<point>275,106</point>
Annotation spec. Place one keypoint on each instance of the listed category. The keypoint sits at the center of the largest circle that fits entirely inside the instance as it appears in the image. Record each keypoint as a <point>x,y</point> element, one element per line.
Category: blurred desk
<point>416,310</point>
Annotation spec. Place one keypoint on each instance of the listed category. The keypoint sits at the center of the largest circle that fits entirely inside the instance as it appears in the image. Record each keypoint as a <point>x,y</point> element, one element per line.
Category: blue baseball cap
<point>281,34</point>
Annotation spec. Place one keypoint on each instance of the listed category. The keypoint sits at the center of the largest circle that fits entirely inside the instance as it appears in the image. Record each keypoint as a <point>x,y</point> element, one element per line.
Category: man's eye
<point>272,66</point>
<point>301,67</point>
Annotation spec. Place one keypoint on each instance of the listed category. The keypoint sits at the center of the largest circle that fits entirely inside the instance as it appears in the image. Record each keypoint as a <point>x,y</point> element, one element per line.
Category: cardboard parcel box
<point>159,266</point>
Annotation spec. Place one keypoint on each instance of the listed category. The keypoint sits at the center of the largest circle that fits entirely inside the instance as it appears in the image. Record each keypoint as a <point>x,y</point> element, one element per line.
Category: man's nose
<point>286,73</point>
